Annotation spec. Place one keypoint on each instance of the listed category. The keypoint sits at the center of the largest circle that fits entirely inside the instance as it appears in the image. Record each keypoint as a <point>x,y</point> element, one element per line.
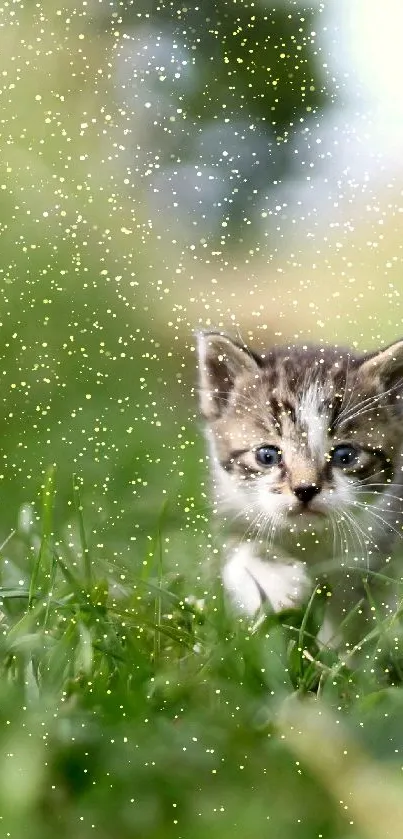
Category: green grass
<point>134,704</point>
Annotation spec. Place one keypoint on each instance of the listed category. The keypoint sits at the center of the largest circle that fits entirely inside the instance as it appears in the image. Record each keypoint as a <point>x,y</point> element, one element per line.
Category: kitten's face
<point>300,434</point>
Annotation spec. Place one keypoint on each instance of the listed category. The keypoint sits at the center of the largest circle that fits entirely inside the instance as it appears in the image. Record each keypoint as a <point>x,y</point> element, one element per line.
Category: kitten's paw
<point>285,586</point>
<point>252,582</point>
<point>243,588</point>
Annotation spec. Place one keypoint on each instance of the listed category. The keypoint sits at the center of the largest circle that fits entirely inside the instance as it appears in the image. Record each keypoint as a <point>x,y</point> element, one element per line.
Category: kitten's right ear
<point>221,361</point>
<point>386,366</point>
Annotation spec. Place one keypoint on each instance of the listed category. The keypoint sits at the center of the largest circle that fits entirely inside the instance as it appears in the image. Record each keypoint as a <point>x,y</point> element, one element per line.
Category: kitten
<point>306,451</point>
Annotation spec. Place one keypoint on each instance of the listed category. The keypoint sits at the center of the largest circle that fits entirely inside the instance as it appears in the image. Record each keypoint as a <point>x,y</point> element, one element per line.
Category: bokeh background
<point>166,167</point>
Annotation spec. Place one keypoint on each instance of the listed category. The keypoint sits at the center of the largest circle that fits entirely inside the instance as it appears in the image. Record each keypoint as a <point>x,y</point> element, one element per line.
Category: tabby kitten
<point>306,451</point>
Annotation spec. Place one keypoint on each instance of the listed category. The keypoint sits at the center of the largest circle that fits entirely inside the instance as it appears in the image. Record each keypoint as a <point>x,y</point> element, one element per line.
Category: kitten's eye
<point>344,455</point>
<point>268,455</point>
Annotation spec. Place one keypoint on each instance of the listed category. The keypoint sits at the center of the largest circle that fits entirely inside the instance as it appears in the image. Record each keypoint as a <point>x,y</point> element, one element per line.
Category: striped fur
<point>312,406</point>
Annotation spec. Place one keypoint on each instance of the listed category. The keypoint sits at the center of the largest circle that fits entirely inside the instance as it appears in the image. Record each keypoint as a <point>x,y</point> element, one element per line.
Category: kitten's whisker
<point>337,534</point>
<point>390,507</point>
<point>276,520</point>
<point>370,399</point>
<point>364,540</point>
<point>268,534</point>
<point>345,529</point>
<point>366,403</point>
<point>240,338</point>
<point>368,539</point>
<point>242,514</point>
<point>381,518</point>
<point>379,495</point>
<point>363,412</point>
<point>253,527</point>
<point>342,532</point>
<point>342,536</point>
<point>357,409</point>
<point>359,481</point>
<point>372,511</point>
<point>388,510</point>
<point>273,529</point>
<point>356,534</point>
<point>380,484</point>
<point>264,523</point>
<point>261,524</point>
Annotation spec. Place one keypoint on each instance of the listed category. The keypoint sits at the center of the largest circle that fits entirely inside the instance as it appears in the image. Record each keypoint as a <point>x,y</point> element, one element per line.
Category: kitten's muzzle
<point>305,492</point>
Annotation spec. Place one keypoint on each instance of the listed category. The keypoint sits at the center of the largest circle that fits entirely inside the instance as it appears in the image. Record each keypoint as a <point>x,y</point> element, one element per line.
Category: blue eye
<point>268,455</point>
<point>344,455</point>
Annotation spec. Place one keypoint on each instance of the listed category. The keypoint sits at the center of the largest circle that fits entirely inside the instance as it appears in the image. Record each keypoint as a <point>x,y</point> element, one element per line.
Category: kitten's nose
<point>305,492</point>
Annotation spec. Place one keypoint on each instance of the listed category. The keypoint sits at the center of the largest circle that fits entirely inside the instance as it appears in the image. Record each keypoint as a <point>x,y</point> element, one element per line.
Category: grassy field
<point>132,703</point>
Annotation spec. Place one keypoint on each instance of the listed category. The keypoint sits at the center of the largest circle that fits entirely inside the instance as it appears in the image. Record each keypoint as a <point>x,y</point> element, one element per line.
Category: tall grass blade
<point>83,539</point>
<point>48,493</point>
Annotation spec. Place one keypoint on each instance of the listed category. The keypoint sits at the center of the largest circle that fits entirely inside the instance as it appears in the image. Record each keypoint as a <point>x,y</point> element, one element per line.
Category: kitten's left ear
<point>221,361</point>
<point>387,367</point>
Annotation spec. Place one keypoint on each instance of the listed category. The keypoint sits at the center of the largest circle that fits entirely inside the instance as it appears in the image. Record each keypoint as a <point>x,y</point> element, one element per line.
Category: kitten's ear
<point>221,361</point>
<point>387,367</point>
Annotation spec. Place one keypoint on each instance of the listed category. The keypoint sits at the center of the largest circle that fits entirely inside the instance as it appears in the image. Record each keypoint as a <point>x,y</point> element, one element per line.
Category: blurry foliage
<point>136,710</point>
<point>250,78</point>
<point>86,384</point>
<point>251,58</point>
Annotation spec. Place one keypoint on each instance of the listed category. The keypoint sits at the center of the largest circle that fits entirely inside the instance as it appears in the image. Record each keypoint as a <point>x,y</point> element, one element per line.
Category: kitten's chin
<point>306,513</point>
<point>305,519</point>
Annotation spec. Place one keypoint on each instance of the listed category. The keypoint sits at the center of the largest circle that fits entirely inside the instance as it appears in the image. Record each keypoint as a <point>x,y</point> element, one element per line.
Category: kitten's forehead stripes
<point>303,395</point>
<point>279,409</point>
<point>291,373</point>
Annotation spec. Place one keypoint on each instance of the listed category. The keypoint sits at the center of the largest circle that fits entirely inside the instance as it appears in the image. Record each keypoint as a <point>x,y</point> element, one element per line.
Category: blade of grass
<point>52,581</point>
<point>47,511</point>
<point>15,594</point>
<point>83,539</point>
<point>158,599</point>
<point>7,539</point>
<point>145,572</point>
<point>68,575</point>
<point>302,629</point>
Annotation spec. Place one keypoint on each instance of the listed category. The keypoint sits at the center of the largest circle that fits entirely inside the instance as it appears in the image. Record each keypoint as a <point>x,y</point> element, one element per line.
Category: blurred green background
<point>100,300</point>
<point>105,276</point>
<point>161,172</point>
